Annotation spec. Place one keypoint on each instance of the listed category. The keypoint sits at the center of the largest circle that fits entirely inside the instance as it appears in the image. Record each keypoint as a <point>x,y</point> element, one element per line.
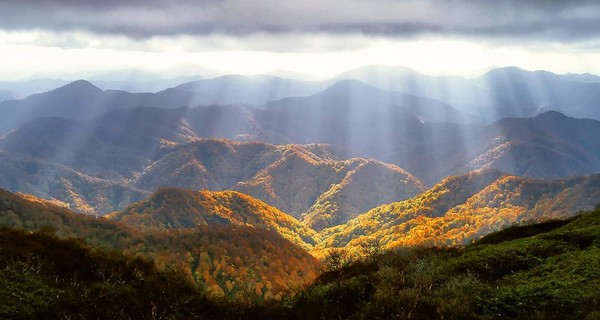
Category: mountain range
<point>499,93</point>
<point>375,154</point>
<point>141,149</point>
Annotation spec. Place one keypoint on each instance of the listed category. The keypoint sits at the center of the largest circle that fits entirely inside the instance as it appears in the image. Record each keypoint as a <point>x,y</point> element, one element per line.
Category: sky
<point>310,38</point>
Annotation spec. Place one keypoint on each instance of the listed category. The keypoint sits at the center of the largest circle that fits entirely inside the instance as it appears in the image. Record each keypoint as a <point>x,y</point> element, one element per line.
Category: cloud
<point>550,20</point>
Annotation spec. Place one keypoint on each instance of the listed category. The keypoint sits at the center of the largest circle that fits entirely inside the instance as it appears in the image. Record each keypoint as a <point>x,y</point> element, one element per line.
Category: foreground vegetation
<point>43,277</point>
<point>542,271</point>
<point>225,260</point>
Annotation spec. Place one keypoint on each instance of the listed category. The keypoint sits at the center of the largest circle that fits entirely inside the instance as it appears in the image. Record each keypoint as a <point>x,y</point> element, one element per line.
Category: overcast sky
<point>71,38</point>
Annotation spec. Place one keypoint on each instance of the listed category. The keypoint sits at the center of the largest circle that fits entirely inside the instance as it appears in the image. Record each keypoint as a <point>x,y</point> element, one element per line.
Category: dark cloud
<point>555,20</point>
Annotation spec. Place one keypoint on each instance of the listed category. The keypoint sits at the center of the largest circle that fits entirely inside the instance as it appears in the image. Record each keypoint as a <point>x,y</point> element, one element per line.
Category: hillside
<point>548,269</point>
<point>296,179</point>
<point>42,276</point>
<point>367,183</point>
<point>129,149</point>
<point>226,260</point>
<point>79,191</point>
<point>170,208</point>
<point>463,208</point>
<point>550,275</point>
<point>547,146</point>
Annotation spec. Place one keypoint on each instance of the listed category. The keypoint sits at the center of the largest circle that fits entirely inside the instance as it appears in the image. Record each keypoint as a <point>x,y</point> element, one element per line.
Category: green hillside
<point>554,274</point>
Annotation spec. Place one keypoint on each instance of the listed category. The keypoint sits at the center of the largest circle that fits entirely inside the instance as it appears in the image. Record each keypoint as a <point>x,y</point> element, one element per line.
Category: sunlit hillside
<point>462,209</point>
<point>226,260</point>
<point>173,209</point>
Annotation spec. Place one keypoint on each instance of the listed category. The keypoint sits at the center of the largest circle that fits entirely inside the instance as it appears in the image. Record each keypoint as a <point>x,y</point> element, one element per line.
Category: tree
<point>337,258</point>
<point>370,248</point>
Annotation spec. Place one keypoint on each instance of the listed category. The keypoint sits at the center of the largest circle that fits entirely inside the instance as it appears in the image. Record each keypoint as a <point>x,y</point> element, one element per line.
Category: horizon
<point>131,75</point>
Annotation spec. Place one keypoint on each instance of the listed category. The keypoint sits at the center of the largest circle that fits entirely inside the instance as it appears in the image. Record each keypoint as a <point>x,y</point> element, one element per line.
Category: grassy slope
<point>554,274</point>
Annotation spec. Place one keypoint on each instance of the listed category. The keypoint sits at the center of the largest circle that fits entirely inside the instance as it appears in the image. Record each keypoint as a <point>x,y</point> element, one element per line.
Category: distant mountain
<point>352,114</point>
<point>121,142</point>
<point>225,260</point>
<point>106,135</point>
<point>519,93</point>
<point>502,92</point>
<point>77,190</point>
<point>550,145</point>
<point>81,100</point>
<point>77,100</point>
<point>463,208</point>
<point>582,77</point>
<point>171,208</point>
<point>458,92</point>
<point>139,81</point>
<point>253,90</point>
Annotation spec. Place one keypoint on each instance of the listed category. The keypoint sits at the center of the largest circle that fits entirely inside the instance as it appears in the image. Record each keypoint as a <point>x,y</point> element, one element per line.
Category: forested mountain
<point>463,208</point>
<point>227,260</point>
<point>131,149</point>
<point>97,151</point>
<point>146,148</point>
<point>296,179</point>
<point>77,190</point>
<point>274,160</point>
<point>171,208</point>
<point>550,145</point>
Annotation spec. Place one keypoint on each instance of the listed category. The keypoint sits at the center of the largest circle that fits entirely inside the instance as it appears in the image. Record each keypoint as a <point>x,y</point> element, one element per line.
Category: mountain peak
<point>551,115</point>
<point>351,85</point>
<point>505,71</point>
<point>79,85</point>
